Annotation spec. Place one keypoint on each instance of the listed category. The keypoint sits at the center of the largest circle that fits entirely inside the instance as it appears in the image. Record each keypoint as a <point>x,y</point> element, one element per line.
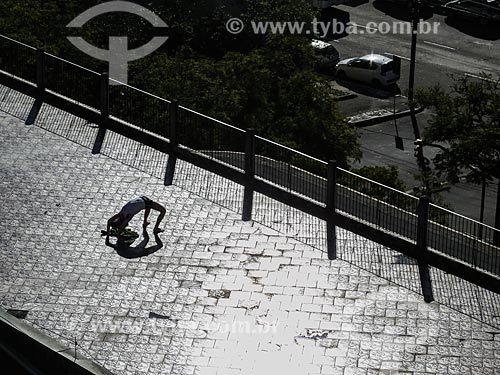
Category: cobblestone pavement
<point>222,296</point>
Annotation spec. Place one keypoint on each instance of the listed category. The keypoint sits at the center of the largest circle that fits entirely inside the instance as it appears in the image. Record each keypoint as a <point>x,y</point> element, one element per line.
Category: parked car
<point>327,55</point>
<point>374,69</point>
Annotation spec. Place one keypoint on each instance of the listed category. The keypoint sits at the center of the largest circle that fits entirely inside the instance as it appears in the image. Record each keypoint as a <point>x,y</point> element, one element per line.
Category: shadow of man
<point>138,251</point>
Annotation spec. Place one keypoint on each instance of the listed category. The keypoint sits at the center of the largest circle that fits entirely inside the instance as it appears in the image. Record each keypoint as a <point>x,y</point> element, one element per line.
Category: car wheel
<point>341,74</point>
<point>376,83</point>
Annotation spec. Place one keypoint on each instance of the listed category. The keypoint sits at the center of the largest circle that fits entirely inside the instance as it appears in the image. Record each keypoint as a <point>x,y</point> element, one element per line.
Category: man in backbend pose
<point>132,208</point>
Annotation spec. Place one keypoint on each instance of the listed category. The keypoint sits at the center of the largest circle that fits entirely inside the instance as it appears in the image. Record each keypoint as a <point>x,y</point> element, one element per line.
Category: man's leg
<point>158,207</point>
<point>146,214</point>
<point>125,222</point>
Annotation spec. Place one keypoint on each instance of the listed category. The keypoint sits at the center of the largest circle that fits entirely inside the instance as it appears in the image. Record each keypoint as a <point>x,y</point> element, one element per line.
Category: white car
<point>327,54</point>
<point>374,69</point>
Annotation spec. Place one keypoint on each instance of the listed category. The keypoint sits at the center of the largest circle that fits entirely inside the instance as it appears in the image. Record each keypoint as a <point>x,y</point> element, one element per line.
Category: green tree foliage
<point>467,121</point>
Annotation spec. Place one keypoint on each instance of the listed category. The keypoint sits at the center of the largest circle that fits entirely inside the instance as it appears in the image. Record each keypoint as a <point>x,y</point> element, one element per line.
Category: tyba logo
<point>118,55</point>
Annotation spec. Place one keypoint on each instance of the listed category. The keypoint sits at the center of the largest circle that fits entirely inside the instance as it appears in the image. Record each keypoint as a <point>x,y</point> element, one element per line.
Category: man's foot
<point>158,230</point>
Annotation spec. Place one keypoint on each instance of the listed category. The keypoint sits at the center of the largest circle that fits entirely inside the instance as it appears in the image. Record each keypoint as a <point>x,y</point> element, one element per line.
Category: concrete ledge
<point>31,352</point>
<point>379,119</point>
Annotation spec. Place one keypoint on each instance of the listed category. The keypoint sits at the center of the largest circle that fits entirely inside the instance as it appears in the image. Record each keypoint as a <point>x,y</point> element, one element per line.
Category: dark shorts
<point>148,202</point>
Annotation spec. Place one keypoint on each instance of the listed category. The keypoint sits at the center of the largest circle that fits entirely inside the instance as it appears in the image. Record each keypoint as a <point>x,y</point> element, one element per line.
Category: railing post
<point>331,195</point>
<point>40,84</point>
<point>104,97</point>
<point>423,266</point>
<point>249,173</point>
<point>40,71</point>
<point>496,234</point>
<point>174,142</point>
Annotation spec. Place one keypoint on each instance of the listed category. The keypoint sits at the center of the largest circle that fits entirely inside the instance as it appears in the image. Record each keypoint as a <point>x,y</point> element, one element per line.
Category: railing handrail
<point>291,149</point>
<point>72,63</point>
<point>18,42</point>
<point>378,183</point>
<point>212,119</point>
<point>462,233</point>
<point>141,91</point>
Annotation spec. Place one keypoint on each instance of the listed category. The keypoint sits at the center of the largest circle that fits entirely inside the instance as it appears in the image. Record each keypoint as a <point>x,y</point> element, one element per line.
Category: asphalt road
<point>378,146</point>
<point>458,47</point>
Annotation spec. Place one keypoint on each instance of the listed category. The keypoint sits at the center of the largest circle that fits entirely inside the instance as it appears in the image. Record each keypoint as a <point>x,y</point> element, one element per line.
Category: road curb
<point>345,97</point>
<point>379,119</point>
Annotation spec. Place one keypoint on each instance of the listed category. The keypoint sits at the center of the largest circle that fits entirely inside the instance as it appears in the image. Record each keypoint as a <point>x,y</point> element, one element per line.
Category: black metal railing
<point>212,138</point>
<point>381,206</point>
<point>290,169</point>
<point>139,108</point>
<point>18,59</point>
<point>463,238</point>
<point>71,80</point>
<point>328,195</point>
